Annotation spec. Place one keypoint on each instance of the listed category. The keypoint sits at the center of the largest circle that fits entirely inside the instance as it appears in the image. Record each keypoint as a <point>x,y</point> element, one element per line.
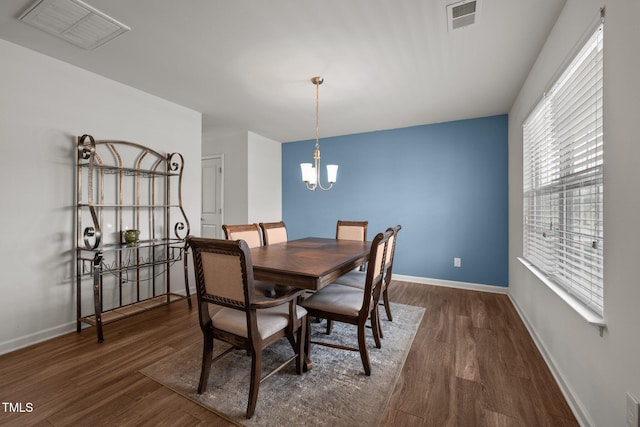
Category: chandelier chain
<point>317,83</point>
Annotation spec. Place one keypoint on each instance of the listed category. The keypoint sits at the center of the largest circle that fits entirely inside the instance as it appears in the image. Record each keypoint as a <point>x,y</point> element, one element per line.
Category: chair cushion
<point>337,299</point>
<point>355,279</point>
<point>270,320</point>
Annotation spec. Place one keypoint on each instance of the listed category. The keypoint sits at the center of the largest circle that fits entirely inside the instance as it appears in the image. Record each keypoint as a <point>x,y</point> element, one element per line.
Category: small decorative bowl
<point>131,237</point>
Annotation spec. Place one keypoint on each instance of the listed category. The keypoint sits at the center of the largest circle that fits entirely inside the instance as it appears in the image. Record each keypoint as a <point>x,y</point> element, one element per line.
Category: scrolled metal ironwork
<point>175,162</point>
<point>84,153</point>
<point>89,233</point>
<point>178,228</point>
<point>86,146</point>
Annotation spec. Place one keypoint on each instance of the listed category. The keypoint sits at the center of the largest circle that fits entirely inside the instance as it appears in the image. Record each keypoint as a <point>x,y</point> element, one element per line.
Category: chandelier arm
<point>326,189</point>
<point>318,183</point>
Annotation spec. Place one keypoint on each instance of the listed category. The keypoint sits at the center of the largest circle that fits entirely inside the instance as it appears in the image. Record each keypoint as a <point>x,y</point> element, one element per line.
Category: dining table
<point>308,263</point>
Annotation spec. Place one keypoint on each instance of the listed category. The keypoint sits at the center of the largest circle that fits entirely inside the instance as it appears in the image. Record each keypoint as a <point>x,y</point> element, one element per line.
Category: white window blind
<point>563,179</point>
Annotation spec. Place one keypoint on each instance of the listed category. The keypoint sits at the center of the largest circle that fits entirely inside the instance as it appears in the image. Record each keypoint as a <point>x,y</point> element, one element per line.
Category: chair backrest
<point>375,268</point>
<point>223,271</point>
<point>250,233</point>
<point>390,253</point>
<point>351,230</point>
<point>273,232</point>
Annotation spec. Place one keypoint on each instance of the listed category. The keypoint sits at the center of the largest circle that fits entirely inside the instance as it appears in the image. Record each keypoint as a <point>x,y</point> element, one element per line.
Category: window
<point>563,179</point>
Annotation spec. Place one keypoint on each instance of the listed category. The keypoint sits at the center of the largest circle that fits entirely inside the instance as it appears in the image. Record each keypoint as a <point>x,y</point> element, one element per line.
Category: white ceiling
<point>246,64</point>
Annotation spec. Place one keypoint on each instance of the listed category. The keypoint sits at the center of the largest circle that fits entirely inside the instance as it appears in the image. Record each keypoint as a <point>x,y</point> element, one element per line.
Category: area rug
<point>336,392</point>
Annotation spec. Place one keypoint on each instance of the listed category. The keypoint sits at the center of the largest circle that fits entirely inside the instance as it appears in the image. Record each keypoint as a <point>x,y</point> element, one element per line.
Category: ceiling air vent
<point>73,21</point>
<point>461,14</point>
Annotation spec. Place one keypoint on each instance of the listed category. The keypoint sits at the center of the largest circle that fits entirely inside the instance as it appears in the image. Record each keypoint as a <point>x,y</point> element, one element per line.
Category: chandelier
<point>311,172</point>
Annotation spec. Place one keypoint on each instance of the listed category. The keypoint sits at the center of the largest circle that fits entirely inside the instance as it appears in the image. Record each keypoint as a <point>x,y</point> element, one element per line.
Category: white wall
<point>252,175</point>
<point>44,105</point>
<point>265,179</point>
<point>594,371</point>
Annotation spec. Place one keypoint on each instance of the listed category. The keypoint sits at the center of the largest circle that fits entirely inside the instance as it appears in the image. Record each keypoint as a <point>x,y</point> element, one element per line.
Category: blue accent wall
<point>446,184</point>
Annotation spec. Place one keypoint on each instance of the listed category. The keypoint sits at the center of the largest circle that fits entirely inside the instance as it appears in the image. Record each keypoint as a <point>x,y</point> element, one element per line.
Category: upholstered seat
<point>339,299</point>
<point>355,306</point>
<point>242,317</point>
<point>270,320</point>
<point>355,279</point>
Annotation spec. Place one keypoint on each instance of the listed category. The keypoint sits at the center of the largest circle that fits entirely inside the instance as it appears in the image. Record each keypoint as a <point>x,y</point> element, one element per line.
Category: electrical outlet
<point>633,412</point>
<point>457,262</point>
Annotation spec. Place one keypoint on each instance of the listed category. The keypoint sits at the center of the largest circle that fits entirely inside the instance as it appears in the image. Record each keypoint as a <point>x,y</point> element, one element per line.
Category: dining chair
<point>357,279</point>
<point>346,304</point>
<point>273,232</point>
<point>251,234</point>
<point>224,278</point>
<point>351,230</point>
<point>391,252</point>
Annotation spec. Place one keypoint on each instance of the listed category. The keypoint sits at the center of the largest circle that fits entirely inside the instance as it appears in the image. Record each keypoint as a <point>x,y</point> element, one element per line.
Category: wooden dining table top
<point>309,263</point>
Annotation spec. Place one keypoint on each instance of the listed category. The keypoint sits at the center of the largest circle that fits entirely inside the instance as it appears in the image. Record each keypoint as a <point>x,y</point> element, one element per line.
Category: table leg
<point>308,365</point>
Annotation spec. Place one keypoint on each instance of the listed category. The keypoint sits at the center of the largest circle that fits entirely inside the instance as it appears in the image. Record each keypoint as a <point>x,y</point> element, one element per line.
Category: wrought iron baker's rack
<point>122,185</point>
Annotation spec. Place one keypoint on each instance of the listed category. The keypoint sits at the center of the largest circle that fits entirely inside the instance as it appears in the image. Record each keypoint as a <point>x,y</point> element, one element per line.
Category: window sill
<point>588,315</point>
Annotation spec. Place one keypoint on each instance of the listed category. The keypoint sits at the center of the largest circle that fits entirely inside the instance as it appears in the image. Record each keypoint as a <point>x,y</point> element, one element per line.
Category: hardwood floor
<point>472,363</point>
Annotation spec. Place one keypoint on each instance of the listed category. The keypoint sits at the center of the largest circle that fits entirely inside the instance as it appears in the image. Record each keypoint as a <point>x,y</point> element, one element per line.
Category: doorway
<point>212,196</point>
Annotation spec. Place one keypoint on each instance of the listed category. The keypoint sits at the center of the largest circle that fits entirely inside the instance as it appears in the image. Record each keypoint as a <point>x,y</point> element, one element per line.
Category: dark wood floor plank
<point>469,403</point>
<point>549,396</point>
<point>394,417</point>
<point>514,353</point>
<point>480,309</point>
<point>165,410</point>
<point>472,363</point>
<point>426,378</point>
<point>495,419</point>
<point>466,355</point>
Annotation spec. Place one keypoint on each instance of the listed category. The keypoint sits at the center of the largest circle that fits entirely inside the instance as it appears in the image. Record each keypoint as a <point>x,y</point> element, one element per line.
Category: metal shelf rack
<point>122,185</point>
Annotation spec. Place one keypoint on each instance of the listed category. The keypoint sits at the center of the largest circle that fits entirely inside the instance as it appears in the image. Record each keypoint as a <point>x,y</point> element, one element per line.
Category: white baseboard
<point>47,334</point>
<point>452,284</point>
<point>44,335</point>
<point>574,403</point>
